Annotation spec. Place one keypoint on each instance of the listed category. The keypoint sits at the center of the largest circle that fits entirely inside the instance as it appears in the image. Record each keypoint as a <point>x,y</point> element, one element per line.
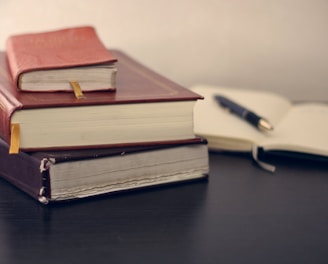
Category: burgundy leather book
<point>146,107</point>
<point>46,61</point>
<point>68,175</point>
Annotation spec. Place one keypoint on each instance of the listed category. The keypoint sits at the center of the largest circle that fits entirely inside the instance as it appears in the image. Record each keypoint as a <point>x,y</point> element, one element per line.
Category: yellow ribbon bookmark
<point>77,90</point>
<point>15,139</point>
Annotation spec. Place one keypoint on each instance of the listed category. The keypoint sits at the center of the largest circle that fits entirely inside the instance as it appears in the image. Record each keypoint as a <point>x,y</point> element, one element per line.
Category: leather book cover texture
<point>22,170</point>
<point>135,84</point>
<point>31,173</point>
<point>58,49</point>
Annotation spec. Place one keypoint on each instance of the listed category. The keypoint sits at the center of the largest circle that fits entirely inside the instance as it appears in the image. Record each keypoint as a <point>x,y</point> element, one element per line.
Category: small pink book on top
<point>50,61</point>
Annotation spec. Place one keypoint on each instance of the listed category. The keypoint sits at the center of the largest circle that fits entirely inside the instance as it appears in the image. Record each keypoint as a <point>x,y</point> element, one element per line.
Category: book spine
<point>12,60</point>
<point>24,172</point>
<point>8,101</point>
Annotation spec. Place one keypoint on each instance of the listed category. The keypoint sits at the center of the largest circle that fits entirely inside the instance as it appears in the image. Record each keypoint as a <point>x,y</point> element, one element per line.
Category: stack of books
<point>78,120</point>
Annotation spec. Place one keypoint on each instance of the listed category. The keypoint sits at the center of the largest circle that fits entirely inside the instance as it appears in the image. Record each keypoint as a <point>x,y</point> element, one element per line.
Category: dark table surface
<point>242,214</point>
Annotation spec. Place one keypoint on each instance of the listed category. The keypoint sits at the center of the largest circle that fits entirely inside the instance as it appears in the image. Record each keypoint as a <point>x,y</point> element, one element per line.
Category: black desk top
<point>242,214</point>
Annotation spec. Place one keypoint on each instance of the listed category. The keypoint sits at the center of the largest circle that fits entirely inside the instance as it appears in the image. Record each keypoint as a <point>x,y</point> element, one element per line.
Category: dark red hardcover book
<point>45,61</point>
<point>146,107</point>
<point>67,175</point>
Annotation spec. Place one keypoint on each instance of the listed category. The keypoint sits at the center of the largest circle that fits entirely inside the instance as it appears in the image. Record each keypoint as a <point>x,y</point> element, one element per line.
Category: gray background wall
<point>270,44</point>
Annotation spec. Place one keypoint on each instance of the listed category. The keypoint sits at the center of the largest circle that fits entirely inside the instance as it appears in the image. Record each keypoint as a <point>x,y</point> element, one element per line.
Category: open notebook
<point>298,127</point>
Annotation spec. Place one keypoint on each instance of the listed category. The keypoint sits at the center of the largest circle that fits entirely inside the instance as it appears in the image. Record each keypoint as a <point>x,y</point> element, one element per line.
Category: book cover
<point>68,175</point>
<point>146,105</point>
<point>50,55</point>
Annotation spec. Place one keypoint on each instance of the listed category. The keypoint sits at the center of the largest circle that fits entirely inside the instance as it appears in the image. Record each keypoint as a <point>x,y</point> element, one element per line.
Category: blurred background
<point>278,45</point>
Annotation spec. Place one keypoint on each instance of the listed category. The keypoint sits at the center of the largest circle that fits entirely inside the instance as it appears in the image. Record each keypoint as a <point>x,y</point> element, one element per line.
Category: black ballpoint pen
<point>251,117</point>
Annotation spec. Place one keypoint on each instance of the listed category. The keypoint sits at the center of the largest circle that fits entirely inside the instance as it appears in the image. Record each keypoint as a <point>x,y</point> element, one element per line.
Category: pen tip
<point>265,125</point>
